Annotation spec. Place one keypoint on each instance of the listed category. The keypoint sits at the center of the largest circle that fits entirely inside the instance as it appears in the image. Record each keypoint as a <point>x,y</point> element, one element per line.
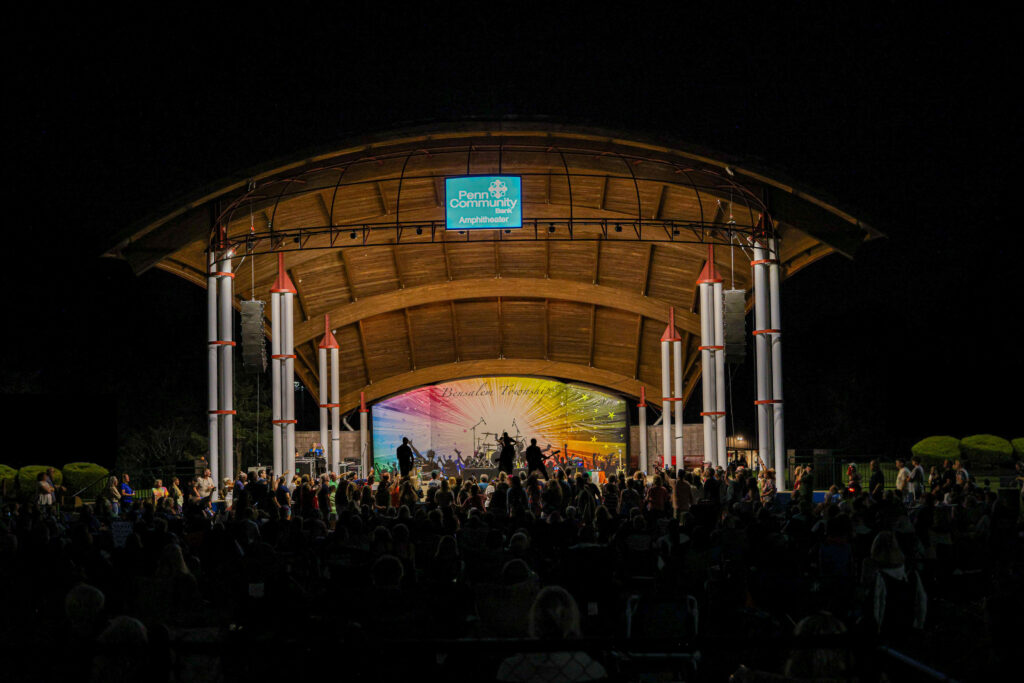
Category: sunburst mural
<point>465,418</point>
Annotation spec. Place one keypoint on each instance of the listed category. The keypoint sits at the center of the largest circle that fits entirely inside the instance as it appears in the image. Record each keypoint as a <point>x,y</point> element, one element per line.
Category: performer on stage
<point>508,453</point>
<point>535,459</point>
<point>404,453</point>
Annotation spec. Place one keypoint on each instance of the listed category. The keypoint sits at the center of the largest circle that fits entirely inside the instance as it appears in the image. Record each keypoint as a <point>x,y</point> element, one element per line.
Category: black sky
<point>908,121</point>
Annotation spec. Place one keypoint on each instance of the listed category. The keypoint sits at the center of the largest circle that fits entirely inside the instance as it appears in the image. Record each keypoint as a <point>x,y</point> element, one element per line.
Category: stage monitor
<point>461,422</point>
<point>483,202</point>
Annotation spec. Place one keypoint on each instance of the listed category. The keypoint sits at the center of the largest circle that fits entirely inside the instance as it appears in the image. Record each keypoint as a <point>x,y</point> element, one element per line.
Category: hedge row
<point>75,475</point>
<point>980,450</point>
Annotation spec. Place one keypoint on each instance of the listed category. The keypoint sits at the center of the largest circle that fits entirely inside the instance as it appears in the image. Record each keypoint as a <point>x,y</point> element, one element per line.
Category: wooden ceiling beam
<point>486,288</point>
<point>532,367</point>
<point>362,346</point>
<point>647,269</point>
<point>398,269</point>
<point>637,345</point>
<point>346,270</point>
<point>412,345</point>
<point>455,331</point>
<point>547,327</point>
<point>447,259</point>
<point>303,304</point>
<point>593,324</point>
<point>597,260</point>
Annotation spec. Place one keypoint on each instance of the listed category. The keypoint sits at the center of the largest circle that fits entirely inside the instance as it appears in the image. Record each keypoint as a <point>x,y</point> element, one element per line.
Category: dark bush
<point>934,449</point>
<point>986,450</point>
<point>81,474</point>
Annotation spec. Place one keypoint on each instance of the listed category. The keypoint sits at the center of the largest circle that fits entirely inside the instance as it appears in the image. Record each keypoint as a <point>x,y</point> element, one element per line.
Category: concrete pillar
<point>712,352</point>
<point>671,336</point>
<point>284,384</point>
<point>719,343</point>
<point>330,378</point>
<point>335,411</point>
<point>762,353</point>
<point>225,295</point>
<point>642,406</point>
<point>364,437</point>
<point>212,375</point>
<point>778,426</point>
<point>275,381</point>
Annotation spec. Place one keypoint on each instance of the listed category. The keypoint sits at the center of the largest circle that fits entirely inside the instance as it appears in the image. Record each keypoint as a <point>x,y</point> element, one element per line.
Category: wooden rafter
<point>647,268</point>
<point>455,331</point>
<point>346,271</point>
<point>491,288</point>
<point>593,324</point>
<point>398,269</point>
<point>384,209</point>
<point>412,346</point>
<point>297,281</point>
<point>638,348</point>
<point>501,333</point>
<point>604,193</point>
<point>660,205</point>
<point>362,345</point>
<point>324,209</point>
<point>547,327</point>
<point>597,260</point>
<point>447,259</point>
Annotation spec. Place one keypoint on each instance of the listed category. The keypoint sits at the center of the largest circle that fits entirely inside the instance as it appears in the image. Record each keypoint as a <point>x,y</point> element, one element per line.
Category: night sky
<point>906,122</point>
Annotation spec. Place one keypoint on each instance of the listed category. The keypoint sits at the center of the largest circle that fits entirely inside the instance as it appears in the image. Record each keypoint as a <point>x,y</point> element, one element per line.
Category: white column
<point>642,407</point>
<point>707,366</point>
<point>335,412</point>
<point>225,294</point>
<point>364,438</point>
<point>761,355</point>
<point>288,380</point>
<point>666,401</point>
<point>212,375</point>
<point>719,342</point>
<point>778,430</point>
<point>677,372</point>
<point>322,353</point>
<point>275,381</point>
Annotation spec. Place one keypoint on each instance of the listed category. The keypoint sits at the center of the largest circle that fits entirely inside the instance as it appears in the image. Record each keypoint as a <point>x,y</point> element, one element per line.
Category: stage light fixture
<point>508,232</point>
<point>352,235</point>
<point>675,231</point>
<point>419,231</point>
<point>618,228</point>
<point>551,227</point>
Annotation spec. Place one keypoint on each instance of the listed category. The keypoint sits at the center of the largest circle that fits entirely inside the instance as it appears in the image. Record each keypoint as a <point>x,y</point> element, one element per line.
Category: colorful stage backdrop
<point>447,418</point>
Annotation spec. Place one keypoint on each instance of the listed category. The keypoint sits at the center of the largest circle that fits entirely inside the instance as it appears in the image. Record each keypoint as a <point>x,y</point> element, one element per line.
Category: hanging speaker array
<point>735,325</point>
<point>254,347</point>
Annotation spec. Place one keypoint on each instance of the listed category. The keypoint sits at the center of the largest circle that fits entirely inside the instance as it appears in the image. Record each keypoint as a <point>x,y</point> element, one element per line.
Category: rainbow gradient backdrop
<point>441,417</point>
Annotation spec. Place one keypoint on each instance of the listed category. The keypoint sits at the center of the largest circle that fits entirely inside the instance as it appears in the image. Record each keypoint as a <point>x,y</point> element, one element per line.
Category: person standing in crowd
<point>683,495</point>
<point>127,494</point>
<point>535,459</point>
<point>876,483</point>
<point>904,489</point>
<point>240,484</point>
<point>113,495</point>
<point>917,477</point>
<point>176,493</point>
<point>282,497</point>
<point>44,491</point>
<point>205,485</point>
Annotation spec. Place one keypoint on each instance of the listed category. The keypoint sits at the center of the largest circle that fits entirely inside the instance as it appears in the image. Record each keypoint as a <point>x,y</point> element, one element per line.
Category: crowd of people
<point>391,556</point>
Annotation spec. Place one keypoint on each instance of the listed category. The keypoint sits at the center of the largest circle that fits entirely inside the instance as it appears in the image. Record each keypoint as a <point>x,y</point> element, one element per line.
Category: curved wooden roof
<point>615,228</point>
